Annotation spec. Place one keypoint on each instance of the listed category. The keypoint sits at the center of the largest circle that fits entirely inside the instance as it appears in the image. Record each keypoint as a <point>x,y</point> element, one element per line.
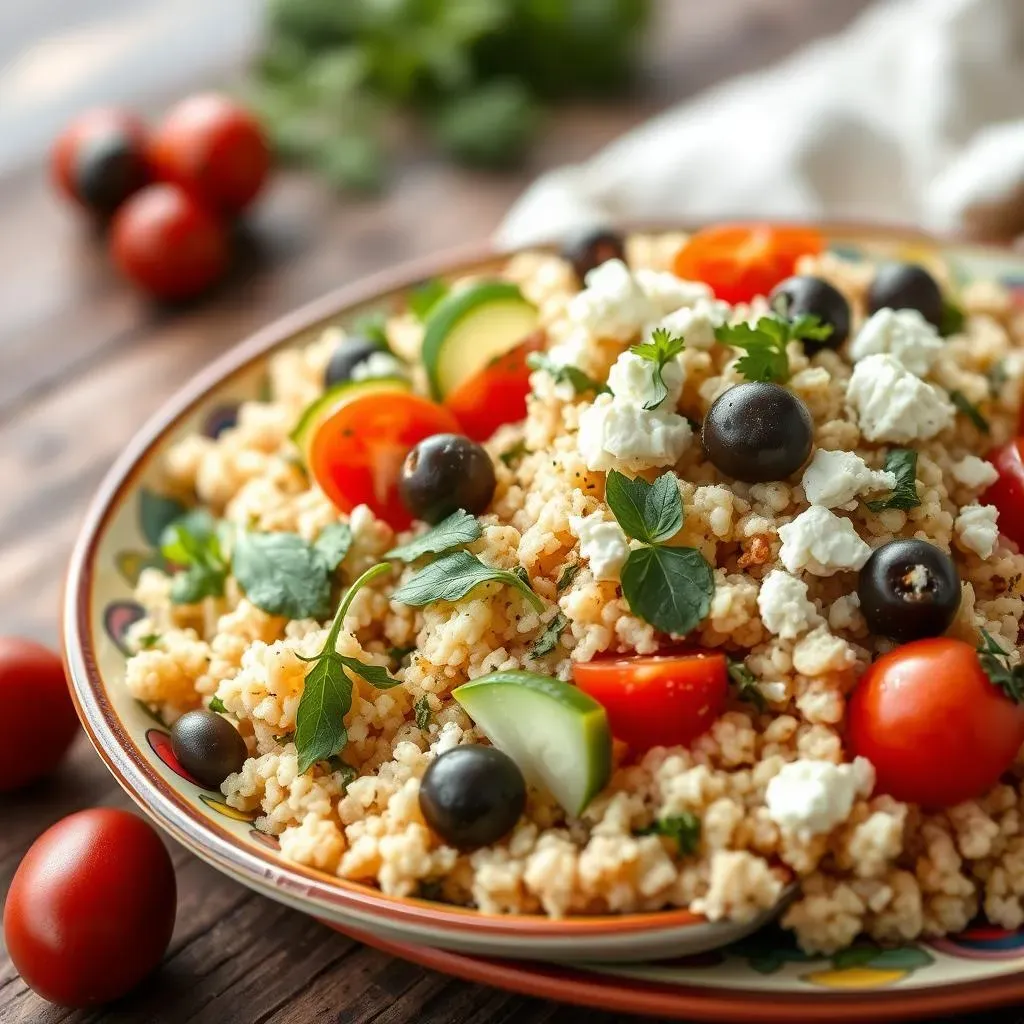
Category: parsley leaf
<point>320,730</point>
<point>567,576</point>
<point>764,343</point>
<point>971,411</point>
<point>426,296</point>
<point>579,381</point>
<point>512,455</point>
<point>662,347</point>
<point>548,640</point>
<point>651,513</point>
<point>683,828</point>
<point>458,528</point>
<point>746,685</point>
<point>333,543</point>
<point>284,575</point>
<point>149,641</point>
<point>216,704</point>
<point>193,542</point>
<point>453,576</point>
<point>1010,679</point>
<point>423,712</point>
<point>671,588</point>
<point>952,317</point>
<point>373,327</point>
<point>902,462</point>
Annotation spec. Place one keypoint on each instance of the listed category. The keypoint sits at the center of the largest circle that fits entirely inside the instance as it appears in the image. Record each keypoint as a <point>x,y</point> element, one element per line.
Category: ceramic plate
<point>618,962</point>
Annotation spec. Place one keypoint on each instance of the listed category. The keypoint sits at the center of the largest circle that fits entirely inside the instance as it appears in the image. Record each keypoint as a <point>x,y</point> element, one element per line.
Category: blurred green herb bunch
<point>476,73</point>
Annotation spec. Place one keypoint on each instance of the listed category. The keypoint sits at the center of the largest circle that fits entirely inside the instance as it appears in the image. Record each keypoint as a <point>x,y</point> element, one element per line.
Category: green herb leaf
<point>994,661</point>
<point>662,347</point>
<point>373,327</point>
<point>149,641</point>
<point>327,694</point>
<point>971,411</point>
<point>193,542</point>
<point>652,513</point>
<point>548,640</point>
<point>216,704</point>
<point>423,712</point>
<point>512,455</point>
<point>341,767</point>
<point>424,298</point>
<point>671,588</point>
<point>283,575</point>
<point>398,654</point>
<point>764,343</point>
<point>579,381</point>
<point>902,462</point>
<point>333,544</point>
<point>682,828</point>
<point>453,576</point>
<point>746,685</point>
<point>567,576</point>
<point>459,528</point>
<point>522,574</point>
<point>952,317</point>
<point>997,378</point>
<point>490,126</point>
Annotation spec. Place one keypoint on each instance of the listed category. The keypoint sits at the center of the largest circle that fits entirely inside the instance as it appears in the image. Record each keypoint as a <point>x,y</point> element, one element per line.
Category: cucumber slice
<point>557,734</point>
<point>470,327</point>
<point>341,394</point>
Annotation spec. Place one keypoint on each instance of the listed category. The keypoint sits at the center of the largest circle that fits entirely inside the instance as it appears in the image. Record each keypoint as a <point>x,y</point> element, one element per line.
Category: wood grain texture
<point>83,362</point>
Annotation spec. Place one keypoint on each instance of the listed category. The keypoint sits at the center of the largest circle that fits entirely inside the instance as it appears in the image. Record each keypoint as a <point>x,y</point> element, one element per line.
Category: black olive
<point>108,168</point>
<point>351,351</point>
<point>811,296</point>
<point>208,747</point>
<point>472,795</point>
<point>590,247</point>
<point>757,431</point>
<point>443,473</point>
<point>906,286</point>
<point>909,589</point>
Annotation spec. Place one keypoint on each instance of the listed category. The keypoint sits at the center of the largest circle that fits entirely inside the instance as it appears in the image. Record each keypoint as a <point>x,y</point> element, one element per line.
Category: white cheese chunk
<point>668,293</point>
<point>811,798</point>
<point>974,472</point>
<point>892,404</point>
<point>822,543</point>
<point>380,364</point>
<point>632,380</point>
<point>784,605</point>
<point>696,323</point>
<point>976,529</point>
<point>577,349</point>
<point>616,434</point>
<point>602,544</point>
<point>613,305</point>
<point>834,479</point>
<point>904,334</point>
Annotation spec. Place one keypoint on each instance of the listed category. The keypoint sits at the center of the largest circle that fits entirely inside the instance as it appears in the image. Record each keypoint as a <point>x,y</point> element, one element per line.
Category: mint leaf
<point>764,343</point>
<point>458,528</point>
<point>682,828</point>
<point>651,513</point>
<point>548,640</point>
<point>320,730</point>
<point>579,381</point>
<point>659,349</point>
<point>453,576</point>
<point>425,297</point>
<point>902,462</point>
<point>671,588</point>
<point>193,542</point>
<point>567,576</point>
<point>216,704</point>
<point>423,713</point>
<point>283,575</point>
<point>746,685</point>
<point>333,543</point>
<point>1010,679</point>
<point>970,410</point>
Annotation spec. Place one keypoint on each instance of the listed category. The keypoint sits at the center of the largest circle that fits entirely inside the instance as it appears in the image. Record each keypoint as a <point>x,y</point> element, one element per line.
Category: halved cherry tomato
<point>356,454</point>
<point>497,394</point>
<point>740,261</point>
<point>936,728</point>
<point>658,701</point>
<point>1007,493</point>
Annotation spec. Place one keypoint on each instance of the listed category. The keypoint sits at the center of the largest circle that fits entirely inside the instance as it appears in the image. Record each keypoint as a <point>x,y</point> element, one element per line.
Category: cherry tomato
<point>497,394</point>
<point>34,700</point>
<point>356,454</point>
<point>1007,493</point>
<point>91,908</point>
<point>936,728</point>
<point>100,159</point>
<point>740,261</point>
<point>213,148</point>
<point>166,243</point>
<point>658,701</point>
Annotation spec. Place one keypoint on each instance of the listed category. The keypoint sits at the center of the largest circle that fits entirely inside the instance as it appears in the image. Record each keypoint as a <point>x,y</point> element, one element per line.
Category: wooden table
<point>83,362</point>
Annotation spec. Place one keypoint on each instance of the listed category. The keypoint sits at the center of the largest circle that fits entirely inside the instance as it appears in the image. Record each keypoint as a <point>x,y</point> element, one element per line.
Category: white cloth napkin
<point>915,114</point>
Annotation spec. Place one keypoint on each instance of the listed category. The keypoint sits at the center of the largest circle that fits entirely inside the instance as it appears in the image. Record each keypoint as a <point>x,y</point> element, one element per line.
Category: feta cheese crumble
<point>892,404</point>
<point>811,798</point>
<point>380,364</point>
<point>974,472</point>
<point>834,479</point>
<point>976,529</point>
<point>822,543</point>
<point>784,606</point>
<point>902,333</point>
<point>667,293</point>
<point>613,305</point>
<point>696,323</point>
<point>602,544</point>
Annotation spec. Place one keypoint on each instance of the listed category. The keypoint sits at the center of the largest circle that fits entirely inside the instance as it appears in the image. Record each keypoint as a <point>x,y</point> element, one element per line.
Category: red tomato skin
<point>167,244</point>
<point>213,148</point>
<point>497,394</point>
<point>97,121</point>
<point>935,727</point>
<point>659,701</point>
<point>91,908</point>
<point>33,694</point>
<point>1007,493</point>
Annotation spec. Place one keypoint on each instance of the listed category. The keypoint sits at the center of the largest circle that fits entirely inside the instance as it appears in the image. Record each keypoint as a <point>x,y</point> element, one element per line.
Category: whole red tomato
<point>1007,493</point>
<point>214,148</point>
<point>91,908</point>
<point>168,244</point>
<point>934,725</point>
<point>34,699</point>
